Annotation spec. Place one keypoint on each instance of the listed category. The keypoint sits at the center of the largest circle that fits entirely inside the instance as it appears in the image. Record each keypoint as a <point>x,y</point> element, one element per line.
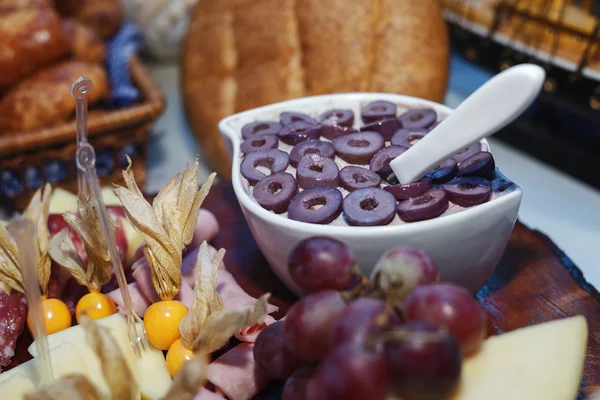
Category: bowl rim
<point>343,230</point>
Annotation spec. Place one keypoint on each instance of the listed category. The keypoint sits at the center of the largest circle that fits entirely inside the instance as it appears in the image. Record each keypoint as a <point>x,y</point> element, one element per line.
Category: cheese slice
<point>539,362</point>
<point>16,387</point>
<point>62,201</point>
<point>151,371</point>
<point>134,239</point>
<point>65,360</point>
<point>109,196</point>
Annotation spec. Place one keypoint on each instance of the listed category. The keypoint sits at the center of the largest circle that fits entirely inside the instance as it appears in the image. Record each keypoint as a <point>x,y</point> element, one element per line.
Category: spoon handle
<point>493,106</point>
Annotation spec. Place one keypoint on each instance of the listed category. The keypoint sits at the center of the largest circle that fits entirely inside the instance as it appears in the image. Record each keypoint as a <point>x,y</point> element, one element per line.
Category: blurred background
<point>166,71</point>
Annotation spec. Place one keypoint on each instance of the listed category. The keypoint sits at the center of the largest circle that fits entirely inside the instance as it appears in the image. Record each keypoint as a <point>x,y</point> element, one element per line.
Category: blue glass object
<point>10,184</point>
<point>104,163</point>
<point>33,178</point>
<point>130,150</point>
<point>121,47</point>
<point>55,171</point>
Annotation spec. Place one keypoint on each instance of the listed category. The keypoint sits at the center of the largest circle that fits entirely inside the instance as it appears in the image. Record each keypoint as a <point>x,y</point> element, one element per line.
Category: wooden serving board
<point>534,282</point>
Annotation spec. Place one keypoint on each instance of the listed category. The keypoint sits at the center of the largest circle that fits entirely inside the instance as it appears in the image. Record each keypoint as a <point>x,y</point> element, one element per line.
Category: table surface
<point>565,209</point>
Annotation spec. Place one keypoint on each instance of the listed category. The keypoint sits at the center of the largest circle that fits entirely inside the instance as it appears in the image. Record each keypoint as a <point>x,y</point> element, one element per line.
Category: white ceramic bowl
<point>466,246</point>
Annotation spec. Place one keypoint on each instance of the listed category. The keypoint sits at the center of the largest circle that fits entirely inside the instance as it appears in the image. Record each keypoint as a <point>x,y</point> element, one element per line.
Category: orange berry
<point>161,321</point>
<point>96,305</point>
<point>56,316</point>
<point>177,355</point>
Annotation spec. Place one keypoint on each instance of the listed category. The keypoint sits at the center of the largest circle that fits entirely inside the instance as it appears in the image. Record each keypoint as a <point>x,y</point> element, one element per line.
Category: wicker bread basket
<point>29,159</point>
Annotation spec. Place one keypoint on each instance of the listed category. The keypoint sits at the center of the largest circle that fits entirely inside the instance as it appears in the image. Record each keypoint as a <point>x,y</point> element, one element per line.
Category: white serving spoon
<point>493,106</point>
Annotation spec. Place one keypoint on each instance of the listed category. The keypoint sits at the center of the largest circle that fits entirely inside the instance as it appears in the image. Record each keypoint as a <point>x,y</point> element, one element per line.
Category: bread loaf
<point>31,38</point>
<point>103,16</point>
<point>85,43</point>
<point>45,98</point>
<point>241,54</point>
<point>7,6</point>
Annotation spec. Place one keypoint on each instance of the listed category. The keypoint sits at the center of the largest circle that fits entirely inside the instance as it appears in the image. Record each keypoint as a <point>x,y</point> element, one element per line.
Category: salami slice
<point>13,315</point>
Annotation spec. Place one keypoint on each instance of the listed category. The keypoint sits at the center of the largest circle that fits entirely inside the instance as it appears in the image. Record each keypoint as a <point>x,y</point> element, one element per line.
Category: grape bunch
<point>400,333</point>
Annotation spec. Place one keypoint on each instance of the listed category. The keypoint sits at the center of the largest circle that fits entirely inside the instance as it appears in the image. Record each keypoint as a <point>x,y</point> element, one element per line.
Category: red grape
<point>352,372</point>
<point>297,387</point>
<point>421,367</point>
<point>451,307</point>
<point>321,263</point>
<point>271,354</point>
<point>403,268</point>
<point>309,324</point>
<point>358,320</point>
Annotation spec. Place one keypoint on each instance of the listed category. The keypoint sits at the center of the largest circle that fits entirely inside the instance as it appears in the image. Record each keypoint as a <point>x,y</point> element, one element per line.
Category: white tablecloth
<point>565,209</point>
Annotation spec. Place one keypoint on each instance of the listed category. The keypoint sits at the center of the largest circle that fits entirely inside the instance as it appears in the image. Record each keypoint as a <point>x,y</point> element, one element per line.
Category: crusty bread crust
<point>45,98</point>
<point>241,54</point>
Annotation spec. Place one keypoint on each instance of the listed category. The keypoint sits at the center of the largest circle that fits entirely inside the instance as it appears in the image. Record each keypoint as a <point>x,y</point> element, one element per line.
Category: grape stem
<point>402,335</point>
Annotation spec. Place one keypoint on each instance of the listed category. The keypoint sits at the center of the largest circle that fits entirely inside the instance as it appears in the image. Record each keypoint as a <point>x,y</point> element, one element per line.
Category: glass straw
<point>23,231</point>
<point>86,160</point>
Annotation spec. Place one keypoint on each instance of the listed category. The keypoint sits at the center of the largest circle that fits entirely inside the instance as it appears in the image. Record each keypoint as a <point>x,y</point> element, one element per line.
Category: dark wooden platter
<point>534,282</point>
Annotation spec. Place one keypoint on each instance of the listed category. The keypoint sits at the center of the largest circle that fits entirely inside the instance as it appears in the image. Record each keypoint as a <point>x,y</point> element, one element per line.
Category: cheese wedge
<point>134,239</point>
<point>65,360</point>
<point>16,387</point>
<point>151,371</point>
<point>109,197</point>
<point>62,201</point>
<point>539,362</point>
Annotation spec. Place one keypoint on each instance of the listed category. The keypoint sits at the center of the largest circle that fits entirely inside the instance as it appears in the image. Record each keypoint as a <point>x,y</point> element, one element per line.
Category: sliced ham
<point>139,301</point>
<point>188,266</point>
<point>236,374</point>
<point>205,394</point>
<point>232,294</point>
<point>250,333</point>
<point>186,294</point>
<point>143,277</point>
<point>206,228</point>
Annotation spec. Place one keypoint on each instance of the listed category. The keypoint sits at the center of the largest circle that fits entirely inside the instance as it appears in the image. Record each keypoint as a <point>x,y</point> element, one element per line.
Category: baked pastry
<point>554,27</point>
<point>240,54</point>
<point>7,6</point>
<point>32,38</point>
<point>85,43</point>
<point>103,16</point>
<point>45,98</point>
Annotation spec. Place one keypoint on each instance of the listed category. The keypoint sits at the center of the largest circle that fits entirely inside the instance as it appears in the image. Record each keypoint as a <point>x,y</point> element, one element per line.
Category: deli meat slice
<point>235,298</point>
<point>206,228</point>
<point>205,394</point>
<point>232,294</point>
<point>188,266</point>
<point>143,277</point>
<point>139,301</point>
<point>72,293</point>
<point>13,315</point>
<point>250,333</point>
<point>236,374</point>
